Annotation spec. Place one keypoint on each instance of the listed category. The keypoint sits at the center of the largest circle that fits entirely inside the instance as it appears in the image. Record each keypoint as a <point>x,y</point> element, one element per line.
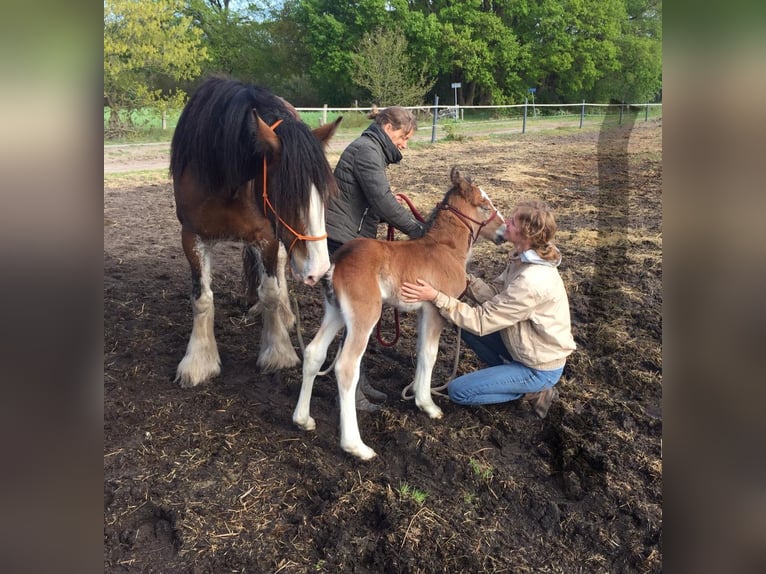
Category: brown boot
<point>542,400</point>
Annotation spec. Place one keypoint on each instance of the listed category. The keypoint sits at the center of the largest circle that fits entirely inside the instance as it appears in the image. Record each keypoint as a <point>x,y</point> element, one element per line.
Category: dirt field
<point>218,479</point>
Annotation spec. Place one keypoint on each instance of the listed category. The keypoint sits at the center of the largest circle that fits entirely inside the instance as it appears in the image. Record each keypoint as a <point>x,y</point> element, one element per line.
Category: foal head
<point>474,209</point>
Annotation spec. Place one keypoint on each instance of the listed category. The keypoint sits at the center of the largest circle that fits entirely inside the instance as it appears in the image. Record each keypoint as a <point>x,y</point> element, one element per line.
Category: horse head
<point>475,209</point>
<point>298,223</point>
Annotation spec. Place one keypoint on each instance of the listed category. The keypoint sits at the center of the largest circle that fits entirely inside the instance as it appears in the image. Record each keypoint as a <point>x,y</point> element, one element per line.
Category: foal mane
<point>456,189</point>
<point>216,139</point>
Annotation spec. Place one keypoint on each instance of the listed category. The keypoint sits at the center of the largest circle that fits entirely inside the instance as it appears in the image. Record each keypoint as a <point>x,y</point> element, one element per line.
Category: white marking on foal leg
<point>347,373</point>
<point>429,331</point>
<point>313,357</point>
<point>201,361</point>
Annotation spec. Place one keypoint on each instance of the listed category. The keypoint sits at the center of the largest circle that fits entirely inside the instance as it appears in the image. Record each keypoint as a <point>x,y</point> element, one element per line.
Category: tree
<point>147,42</point>
<point>381,65</point>
<point>639,78</point>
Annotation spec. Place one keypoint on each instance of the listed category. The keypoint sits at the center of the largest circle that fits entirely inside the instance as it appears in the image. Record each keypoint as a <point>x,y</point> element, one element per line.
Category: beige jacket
<point>527,303</point>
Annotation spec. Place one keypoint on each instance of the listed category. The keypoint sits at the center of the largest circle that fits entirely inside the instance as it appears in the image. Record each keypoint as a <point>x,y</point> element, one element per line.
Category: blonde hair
<point>536,222</point>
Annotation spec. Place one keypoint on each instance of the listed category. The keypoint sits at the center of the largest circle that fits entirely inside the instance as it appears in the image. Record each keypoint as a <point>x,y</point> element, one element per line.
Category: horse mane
<point>429,221</point>
<point>216,139</point>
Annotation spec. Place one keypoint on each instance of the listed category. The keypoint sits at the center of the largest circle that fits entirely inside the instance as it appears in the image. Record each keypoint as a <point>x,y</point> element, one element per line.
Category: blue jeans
<point>504,380</point>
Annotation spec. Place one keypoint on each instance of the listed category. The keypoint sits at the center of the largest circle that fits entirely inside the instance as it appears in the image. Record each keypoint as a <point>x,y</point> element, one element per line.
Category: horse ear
<point>455,175</point>
<point>265,135</point>
<point>325,132</point>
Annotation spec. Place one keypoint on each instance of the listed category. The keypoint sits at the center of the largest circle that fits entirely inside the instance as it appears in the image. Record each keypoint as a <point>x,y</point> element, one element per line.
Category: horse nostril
<point>310,280</point>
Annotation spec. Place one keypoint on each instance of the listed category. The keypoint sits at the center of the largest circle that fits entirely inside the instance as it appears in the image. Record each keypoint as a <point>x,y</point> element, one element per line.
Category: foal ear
<point>455,175</point>
<point>265,135</point>
<point>325,132</point>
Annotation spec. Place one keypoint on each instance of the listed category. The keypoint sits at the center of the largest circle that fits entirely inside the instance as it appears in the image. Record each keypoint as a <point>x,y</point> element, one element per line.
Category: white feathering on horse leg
<point>201,361</point>
<point>277,350</point>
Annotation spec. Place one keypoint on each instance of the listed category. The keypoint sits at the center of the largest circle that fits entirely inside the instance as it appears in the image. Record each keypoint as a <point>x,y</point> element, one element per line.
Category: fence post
<point>524,120</point>
<point>582,113</point>
<point>436,113</point>
<point>622,105</point>
<point>164,120</point>
<point>646,113</point>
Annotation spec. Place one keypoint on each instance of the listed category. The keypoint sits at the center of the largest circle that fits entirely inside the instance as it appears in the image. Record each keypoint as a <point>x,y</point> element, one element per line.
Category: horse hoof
<point>361,451</point>
<point>188,378</point>
<point>307,425</point>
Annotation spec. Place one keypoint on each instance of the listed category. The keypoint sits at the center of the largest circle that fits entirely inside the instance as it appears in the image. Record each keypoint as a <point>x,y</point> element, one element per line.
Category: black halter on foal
<point>462,217</point>
<point>266,202</point>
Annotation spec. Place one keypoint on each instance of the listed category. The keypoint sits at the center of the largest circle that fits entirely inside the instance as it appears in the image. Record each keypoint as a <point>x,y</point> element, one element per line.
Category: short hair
<point>398,117</point>
<point>535,220</point>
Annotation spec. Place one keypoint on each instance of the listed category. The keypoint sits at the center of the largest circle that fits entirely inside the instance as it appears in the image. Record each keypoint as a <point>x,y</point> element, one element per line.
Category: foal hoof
<point>360,451</point>
<point>432,411</point>
<point>308,425</point>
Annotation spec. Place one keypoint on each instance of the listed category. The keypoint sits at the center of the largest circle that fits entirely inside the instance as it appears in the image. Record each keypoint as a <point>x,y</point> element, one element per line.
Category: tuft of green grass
<point>483,471</point>
<point>406,491</point>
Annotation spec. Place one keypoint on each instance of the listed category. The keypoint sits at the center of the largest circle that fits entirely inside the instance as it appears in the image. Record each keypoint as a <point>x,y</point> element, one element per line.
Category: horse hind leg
<point>201,361</point>
<point>313,358</point>
<point>429,331</point>
<point>347,371</point>
<point>276,348</point>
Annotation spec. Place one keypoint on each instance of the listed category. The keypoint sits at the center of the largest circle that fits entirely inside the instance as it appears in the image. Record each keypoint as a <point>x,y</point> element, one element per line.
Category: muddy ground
<point>218,479</point>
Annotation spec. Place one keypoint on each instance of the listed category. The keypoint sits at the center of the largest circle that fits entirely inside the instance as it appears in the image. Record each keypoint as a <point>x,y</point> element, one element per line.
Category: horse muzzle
<point>500,235</point>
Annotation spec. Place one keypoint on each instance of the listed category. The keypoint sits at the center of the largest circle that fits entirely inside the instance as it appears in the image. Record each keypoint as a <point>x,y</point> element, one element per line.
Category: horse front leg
<point>276,348</point>
<point>313,358</point>
<point>429,331</point>
<point>201,361</point>
<point>347,373</point>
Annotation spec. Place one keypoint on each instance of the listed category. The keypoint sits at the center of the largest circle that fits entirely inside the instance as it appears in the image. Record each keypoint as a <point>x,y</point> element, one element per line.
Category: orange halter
<point>266,203</point>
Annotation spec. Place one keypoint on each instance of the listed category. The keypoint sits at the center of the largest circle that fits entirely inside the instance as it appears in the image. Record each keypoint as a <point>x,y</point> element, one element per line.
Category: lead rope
<point>407,393</point>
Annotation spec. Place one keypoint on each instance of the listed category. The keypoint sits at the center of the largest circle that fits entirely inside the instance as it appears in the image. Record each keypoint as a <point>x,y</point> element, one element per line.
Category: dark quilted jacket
<point>365,199</point>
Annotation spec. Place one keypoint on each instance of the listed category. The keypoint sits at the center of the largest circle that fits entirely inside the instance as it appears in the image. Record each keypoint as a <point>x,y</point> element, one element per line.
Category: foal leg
<point>313,358</point>
<point>201,361</point>
<point>429,331</point>
<point>347,373</point>
<point>277,351</point>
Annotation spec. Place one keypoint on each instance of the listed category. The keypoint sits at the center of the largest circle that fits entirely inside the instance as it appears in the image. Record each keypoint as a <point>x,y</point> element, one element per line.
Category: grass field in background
<point>147,123</point>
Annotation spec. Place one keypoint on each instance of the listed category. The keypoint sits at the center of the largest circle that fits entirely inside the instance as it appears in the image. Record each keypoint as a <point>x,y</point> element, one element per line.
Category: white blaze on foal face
<point>492,205</point>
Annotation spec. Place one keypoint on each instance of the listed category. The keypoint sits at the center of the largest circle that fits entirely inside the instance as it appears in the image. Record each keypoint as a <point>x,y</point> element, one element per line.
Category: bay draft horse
<point>245,168</point>
<point>368,273</point>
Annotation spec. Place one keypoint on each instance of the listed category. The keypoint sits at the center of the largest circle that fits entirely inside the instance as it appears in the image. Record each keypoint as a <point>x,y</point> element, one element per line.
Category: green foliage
<point>315,52</point>
<point>382,66</point>
<point>147,43</point>
<point>483,471</point>
<point>406,491</point>
<point>451,131</point>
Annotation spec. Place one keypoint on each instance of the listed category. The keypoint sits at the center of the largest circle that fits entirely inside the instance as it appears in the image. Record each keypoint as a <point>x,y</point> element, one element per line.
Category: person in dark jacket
<point>366,200</point>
